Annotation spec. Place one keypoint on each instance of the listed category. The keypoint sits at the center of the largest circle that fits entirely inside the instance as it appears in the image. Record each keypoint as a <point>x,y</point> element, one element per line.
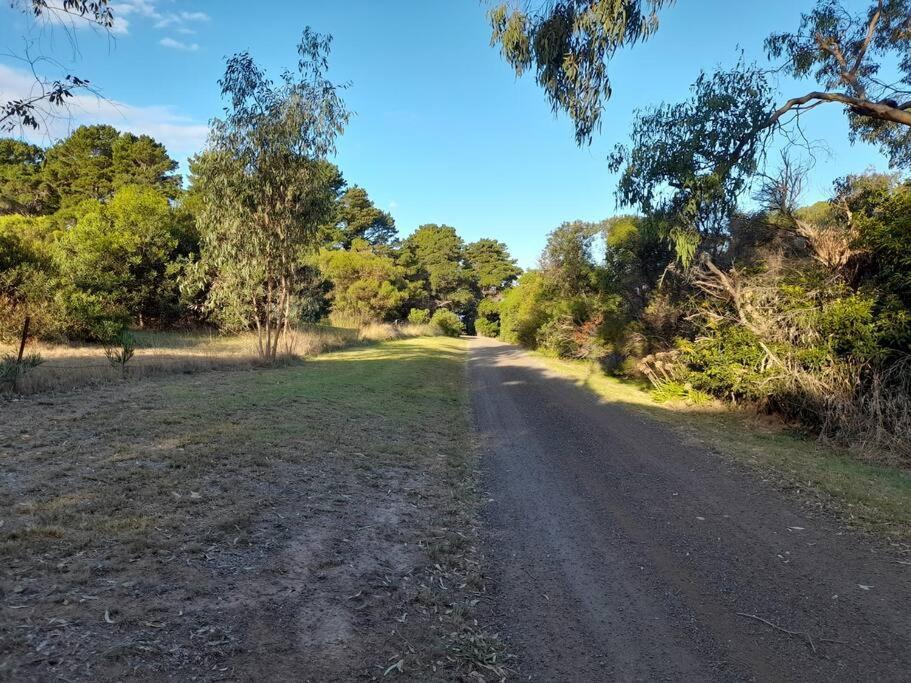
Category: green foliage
<point>486,327</point>
<point>119,350</point>
<point>494,270</point>
<point>356,217</point>
<point>555,337</point>
<point>365,285</point>
<point>114,263</point>
<point>567,258</point>
<point>679,392</point>
<point>568,44</point>
<point>447,322</point>
<point>688,163</point>
<point>523,310</point>
<point>265,187</point>
<point>419,316</point>
<point>433,256</point>
<point>95,161</point>
<point>23,188</point>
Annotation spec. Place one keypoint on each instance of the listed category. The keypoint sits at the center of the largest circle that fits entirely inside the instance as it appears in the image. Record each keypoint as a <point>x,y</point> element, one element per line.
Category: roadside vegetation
<point>721,283</point>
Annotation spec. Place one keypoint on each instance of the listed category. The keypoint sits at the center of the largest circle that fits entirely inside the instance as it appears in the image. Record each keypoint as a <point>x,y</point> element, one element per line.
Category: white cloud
<point>124,12</point>
<point>178,45</point>
<point>393,205</point>
<point>149,9</point>
<point>181,134</point>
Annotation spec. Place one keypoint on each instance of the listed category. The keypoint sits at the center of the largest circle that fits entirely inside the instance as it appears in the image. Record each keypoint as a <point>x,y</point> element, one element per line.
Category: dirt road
<point>619,553</point>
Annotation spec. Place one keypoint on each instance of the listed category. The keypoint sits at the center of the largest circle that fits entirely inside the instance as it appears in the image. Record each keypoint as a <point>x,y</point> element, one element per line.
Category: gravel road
<point>618,553</point>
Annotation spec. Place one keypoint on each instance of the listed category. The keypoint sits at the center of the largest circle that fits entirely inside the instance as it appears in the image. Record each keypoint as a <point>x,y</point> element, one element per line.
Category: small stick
<point>799,634</point>
<point>25,325</point>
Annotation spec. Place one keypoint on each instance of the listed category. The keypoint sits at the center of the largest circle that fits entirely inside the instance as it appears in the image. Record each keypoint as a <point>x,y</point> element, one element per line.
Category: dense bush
<point>804,313</point>
<point>447,323</point>
<point>419,316</point>
<point>486,327</point>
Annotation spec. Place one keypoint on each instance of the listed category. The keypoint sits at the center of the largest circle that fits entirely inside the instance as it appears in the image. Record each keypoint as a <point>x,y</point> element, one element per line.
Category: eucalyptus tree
<point>860,60</point>
<point>690,163</point>
<point>569,44</point>
<point>265,187</point>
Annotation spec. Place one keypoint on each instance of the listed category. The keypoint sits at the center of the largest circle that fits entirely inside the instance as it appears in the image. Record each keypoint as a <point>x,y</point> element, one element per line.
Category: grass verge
<point>312,521</point>
<point>869,497</point>
<point>70,366</point>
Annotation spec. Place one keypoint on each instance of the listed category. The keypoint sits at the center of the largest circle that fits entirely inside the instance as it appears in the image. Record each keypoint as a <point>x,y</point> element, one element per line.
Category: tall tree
<point>357,217</point>
<point>688,163</point>
<point>265,185</point>
<point>23,187</point>
<point>569,44</point>
<point>365,286</point>
<point>493,268</point>
<point>114,262</point>
<point>434,257</point>
<point>96,160</point>
<point>568,260</point>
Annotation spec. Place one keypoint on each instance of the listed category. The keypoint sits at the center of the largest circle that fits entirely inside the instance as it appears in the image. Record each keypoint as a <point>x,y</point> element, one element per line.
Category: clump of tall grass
<point>376,332</point>
<point>872,415</point>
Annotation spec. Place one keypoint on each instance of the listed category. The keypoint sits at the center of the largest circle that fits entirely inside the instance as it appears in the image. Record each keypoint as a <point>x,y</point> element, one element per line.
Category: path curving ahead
<point>618,553</point>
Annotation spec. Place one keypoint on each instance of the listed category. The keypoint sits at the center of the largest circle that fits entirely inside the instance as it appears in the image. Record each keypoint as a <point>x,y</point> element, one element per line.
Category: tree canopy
<point>357,217</point>
<point>568,44</point>
<point>265,186</point>
<point>95,161</point>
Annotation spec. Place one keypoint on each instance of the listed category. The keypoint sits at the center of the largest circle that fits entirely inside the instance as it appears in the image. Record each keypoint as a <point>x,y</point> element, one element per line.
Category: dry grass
<point>312,521</point>
<point>375,332</point>
<point>67,367</point>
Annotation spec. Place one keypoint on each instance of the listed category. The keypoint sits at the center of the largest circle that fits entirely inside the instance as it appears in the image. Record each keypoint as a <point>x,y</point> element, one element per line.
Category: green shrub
<point>523,310</point>
<point>556,338</point>
<point>120,349</point>
<point>679,392</point>
<point>419,316</point>
<point>486,327</point>
<point>12,369</point>
<point>447,323</point>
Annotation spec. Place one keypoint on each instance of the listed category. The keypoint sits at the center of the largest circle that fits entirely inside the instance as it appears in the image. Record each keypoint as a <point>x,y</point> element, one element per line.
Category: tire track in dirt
<point>617,552</point>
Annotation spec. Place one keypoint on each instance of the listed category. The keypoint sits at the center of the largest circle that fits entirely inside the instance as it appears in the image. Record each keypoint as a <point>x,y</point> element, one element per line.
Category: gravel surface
<point>617,552</point>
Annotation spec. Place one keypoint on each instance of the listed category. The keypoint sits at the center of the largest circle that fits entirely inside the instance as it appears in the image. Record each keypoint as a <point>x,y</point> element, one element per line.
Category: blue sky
<point>444,132</point>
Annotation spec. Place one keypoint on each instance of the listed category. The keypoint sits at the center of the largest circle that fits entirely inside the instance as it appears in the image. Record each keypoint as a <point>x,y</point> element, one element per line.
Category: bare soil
<point>312,522</point>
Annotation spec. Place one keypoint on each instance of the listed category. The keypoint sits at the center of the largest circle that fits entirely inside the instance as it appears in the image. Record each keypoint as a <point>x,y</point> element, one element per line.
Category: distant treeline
<point>98,232</point>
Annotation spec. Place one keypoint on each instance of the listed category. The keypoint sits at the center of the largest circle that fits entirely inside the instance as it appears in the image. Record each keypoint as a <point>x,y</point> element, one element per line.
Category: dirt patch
<point>620,552</point>
<point>270,524</point>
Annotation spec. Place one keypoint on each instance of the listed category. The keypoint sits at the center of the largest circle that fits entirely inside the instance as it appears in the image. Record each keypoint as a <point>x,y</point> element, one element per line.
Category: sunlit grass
<point>69,366</point>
